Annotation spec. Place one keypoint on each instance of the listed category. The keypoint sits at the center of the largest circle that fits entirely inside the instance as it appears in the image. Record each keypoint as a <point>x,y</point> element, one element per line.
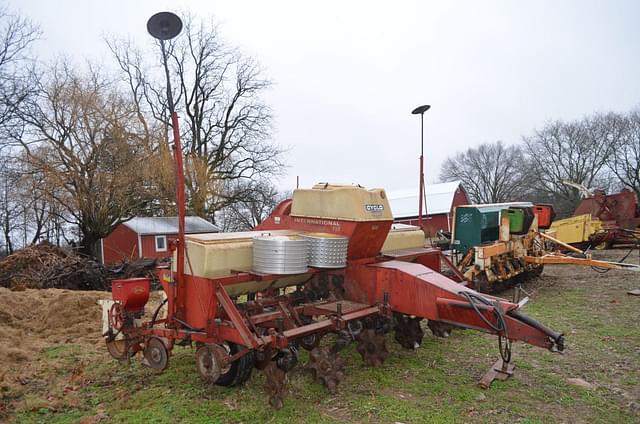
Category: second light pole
<point>420,110</point>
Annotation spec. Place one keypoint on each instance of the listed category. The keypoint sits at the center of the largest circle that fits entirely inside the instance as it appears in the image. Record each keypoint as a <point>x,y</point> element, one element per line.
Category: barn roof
<point>404,203</point>
<point>169,225</point>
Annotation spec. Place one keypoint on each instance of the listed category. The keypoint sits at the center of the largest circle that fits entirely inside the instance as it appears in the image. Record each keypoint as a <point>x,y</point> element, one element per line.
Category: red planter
<point>131,293</point>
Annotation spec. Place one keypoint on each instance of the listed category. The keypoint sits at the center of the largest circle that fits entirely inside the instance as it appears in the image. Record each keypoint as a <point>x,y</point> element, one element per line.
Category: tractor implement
<point>240,317</point>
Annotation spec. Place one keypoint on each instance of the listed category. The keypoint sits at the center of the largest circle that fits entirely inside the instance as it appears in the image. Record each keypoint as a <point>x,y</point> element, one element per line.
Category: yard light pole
<point>420,110</point>
<point>165,26</point>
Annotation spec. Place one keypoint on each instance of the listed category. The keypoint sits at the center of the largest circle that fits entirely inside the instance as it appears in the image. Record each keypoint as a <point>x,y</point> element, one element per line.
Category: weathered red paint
<point>410,288</point>
<point>365,238</point>
<point>131,293</point>
<point>200,309</point>
<point>179,244</point>
<point>121,244</point>
<point>279,218</point>
<point>623,208</point>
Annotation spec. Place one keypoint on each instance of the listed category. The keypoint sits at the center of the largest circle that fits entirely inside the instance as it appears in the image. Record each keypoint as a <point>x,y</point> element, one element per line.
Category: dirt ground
<point>55,368</point>
<point>36,327</point>
<point>605,309</point>
<point>32,320</point>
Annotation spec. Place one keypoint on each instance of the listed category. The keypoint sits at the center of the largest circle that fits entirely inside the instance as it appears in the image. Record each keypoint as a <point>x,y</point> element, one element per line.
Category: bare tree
<point>576,151</point>
<point>227,125</point>
<point>10,206</point>
<point>261,199</point>
<point>625,160</point>
<point>17,34</point>
<point>83,137</point>
<point>43,214</point>
<point>491,173</point>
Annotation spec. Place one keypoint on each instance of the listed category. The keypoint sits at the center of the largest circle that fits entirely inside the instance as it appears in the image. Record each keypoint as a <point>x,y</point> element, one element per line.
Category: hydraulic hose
<point>557,338</point>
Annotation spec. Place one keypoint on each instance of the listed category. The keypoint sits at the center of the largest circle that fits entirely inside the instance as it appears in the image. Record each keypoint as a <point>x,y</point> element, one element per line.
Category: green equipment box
<point>475,225</point>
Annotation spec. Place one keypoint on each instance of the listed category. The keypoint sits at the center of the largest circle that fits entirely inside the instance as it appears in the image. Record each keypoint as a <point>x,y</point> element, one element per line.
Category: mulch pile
<point>44,333</point>
<point>45,266</point>
<point>50,320</point>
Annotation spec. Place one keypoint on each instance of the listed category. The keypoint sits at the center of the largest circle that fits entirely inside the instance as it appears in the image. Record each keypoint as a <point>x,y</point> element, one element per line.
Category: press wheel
<point>209,358</point>
<point>119,349</point>
<point>156,354</point>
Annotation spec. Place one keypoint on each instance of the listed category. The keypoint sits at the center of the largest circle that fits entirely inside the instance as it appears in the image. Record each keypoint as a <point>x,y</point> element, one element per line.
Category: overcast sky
<point>348,73</point>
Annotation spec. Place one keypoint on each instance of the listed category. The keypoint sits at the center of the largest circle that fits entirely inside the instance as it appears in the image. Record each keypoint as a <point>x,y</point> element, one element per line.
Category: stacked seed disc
<point>280,255</point>
<point>327,250</point>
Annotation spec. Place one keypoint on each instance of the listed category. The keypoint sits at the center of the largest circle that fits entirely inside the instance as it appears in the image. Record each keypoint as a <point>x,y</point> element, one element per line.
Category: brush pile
<point>45,266</point>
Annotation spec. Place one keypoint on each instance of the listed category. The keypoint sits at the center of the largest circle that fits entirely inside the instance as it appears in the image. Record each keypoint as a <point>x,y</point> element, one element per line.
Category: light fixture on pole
<point>165,26</point>
<point>420,110</point>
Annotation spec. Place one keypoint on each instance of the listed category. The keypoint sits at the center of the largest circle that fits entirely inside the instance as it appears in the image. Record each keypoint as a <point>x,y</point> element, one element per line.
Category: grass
<point>437,383</point>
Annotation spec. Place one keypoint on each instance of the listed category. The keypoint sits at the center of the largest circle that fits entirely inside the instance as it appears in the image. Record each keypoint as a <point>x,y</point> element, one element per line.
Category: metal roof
<point>404,203</point>
<point>169,225</point>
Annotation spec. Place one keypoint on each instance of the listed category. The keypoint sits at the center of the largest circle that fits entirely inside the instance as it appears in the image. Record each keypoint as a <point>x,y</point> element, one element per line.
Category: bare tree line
<point>600,151</point>
<point>84,148</point>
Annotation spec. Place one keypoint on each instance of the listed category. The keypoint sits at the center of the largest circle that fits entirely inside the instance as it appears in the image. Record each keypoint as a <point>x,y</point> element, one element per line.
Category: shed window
<point>161,243</point>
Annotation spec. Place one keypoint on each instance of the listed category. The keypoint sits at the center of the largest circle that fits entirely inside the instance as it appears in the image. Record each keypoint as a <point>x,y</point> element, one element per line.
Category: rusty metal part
<point>116,317</point>
<point>210,359</point>
<point>372,347</point>
<point>466,260</point>
<point>156,354</point>
<point>408,331</point>
<point>276,384</point>
<point>327,367</point>
<point>440,329</point>
<point>500,370</point>
<point>119,349</point>
<point>264,358</point>
<point>286,359</point>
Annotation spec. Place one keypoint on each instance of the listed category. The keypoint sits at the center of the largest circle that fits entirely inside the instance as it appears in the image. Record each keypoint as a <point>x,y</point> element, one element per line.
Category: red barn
<point>148,237</point>
<point>440,199</point>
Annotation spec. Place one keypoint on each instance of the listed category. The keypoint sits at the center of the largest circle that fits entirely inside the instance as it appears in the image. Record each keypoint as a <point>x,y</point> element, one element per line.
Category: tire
<point>239,370</point>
